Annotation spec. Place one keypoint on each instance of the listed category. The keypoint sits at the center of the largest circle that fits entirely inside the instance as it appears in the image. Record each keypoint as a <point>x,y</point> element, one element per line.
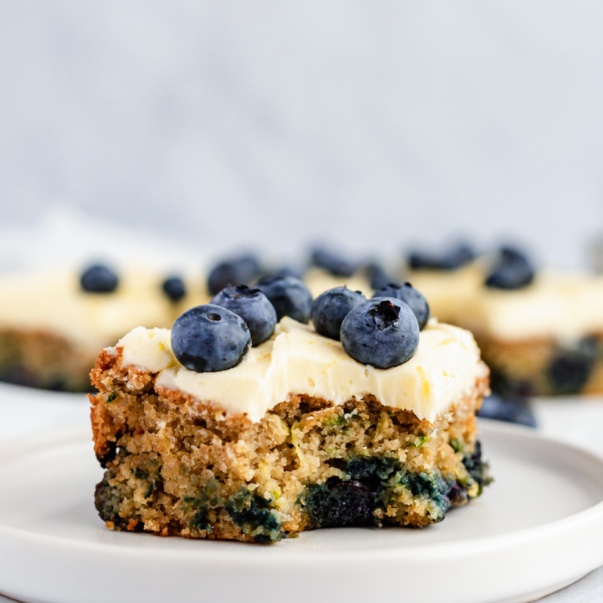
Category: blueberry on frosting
<point>240,270</point>
<point>210,338</point>
<point>288,295</point>
<point>331,307</point>
<point>382,332</point>
<point>174,288</point>
<point>252,306</point>
<point>409,295</point>
<point>99,278</point>
<point>512,270</point>
<point>376,275</point>
<point>332,262</point>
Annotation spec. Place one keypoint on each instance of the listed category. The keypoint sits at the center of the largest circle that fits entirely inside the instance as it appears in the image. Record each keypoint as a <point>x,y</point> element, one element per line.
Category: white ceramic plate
<point>537,528</point>
<point>26,410</point>
<point>573,419</point>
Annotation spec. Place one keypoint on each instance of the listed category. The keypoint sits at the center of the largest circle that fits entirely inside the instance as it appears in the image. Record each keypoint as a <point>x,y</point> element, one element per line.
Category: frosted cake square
<point>540,331</point>
<point>297,436</point>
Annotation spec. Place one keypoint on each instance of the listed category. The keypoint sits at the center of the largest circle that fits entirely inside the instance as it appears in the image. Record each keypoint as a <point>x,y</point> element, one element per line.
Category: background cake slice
<point>53,324</point>
<point>540,331</point>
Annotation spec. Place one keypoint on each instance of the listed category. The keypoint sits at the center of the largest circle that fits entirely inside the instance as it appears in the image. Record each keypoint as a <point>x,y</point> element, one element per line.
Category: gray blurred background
<point>375,125</point>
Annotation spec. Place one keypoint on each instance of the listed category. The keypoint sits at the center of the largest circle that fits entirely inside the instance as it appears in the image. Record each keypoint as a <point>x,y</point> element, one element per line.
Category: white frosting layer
<point>55,303</point>
<point>556,305</point>
<point>297,360</point>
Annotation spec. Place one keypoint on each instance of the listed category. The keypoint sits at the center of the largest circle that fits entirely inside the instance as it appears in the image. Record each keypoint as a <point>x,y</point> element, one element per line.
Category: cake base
<point>545,367</point>
<point>179,466</point>
<point>39,359</point>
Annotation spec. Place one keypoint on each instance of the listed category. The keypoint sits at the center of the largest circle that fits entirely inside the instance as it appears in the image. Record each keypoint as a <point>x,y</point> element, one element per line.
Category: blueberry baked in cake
<point>53,325</point>
<point>266,413</point>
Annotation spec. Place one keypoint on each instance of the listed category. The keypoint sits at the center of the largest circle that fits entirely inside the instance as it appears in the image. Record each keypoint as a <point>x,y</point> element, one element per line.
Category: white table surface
<point>24,411</point>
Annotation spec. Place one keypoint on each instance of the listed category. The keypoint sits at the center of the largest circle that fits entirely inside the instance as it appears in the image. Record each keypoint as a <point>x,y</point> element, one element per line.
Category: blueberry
<point>340,503</point>
<point>512,270</point>
<point>240,270</point>
<point>174,288</point>
<point>382,332</point>
<point>285,270</point>
<point>478,469</point>
<point>450,259</point>
<point>252,306</point>
<point>209,338</point>
<point>331,307</point>
<point>254,515</point>
<point>571,368</point>
<point>376,275</point>
<point>409,295</point>
<point>332,262</point>
<point>288,295</point>
<point>512,409</point>
<point>510,253</point>
<point>375,471</point>
<point>99,278</point>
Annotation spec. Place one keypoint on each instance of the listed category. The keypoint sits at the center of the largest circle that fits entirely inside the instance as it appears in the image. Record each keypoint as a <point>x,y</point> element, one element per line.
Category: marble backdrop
<point>374,124</point>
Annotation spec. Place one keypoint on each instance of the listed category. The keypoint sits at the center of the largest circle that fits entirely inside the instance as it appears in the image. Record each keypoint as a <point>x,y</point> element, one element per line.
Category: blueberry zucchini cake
<point>543,338</point>
<point>53,325</point>
<point>540,332</point>
<point>266,413</point>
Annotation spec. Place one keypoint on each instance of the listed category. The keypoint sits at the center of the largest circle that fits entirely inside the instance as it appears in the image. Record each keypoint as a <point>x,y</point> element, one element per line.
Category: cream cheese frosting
<point>297,360</point>
<point>559,305</point>
<point>562,306</point>
<point>54,302</point>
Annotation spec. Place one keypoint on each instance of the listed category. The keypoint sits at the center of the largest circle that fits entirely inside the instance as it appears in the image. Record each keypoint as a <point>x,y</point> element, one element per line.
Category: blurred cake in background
<point>53,324</point>
<point>328,268</point>
<point>540,331</point>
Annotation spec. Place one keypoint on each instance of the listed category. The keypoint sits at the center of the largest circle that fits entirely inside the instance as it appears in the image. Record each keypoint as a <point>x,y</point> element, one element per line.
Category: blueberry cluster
<point>331,307</point>
<point>382,332</point>
<point>409,295</point>
<point>339,265</point>
<point>238,270</point>
<point>216,336</point>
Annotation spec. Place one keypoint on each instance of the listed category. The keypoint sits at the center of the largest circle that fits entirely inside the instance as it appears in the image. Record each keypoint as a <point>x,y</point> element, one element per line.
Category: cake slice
<point>540,332</point>
<point>296,436</point>
<point>53,324</point>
